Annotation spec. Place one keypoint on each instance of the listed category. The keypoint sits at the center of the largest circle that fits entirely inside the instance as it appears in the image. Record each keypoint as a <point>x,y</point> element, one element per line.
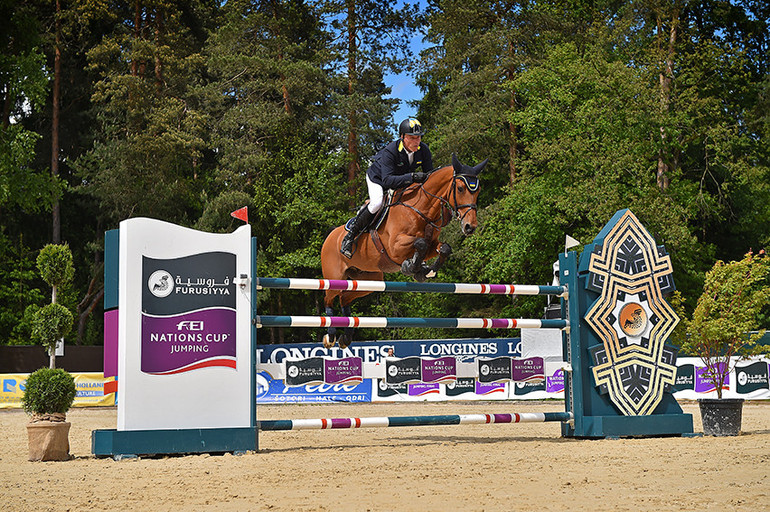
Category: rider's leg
<point>376,195</point>
<point>363,218</point>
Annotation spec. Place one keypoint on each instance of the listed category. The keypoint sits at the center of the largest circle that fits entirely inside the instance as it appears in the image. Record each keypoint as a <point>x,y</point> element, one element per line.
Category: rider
<point>393,167</point>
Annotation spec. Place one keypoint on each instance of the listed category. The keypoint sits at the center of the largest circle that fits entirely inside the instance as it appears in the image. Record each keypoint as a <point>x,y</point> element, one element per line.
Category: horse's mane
<point>413,189</point>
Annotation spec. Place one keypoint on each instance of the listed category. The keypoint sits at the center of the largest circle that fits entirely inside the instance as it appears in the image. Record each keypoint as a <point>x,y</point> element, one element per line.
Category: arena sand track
<point>470,467</point>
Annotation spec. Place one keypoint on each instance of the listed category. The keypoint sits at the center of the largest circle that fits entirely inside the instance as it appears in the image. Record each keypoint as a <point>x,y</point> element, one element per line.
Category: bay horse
<point>406,239</point>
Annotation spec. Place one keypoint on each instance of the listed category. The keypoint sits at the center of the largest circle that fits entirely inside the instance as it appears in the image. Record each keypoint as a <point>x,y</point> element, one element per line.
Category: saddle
<point>378,219</point>
<point>374,225</point>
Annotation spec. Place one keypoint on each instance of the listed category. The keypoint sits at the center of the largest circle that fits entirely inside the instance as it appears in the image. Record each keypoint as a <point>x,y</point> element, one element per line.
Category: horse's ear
<point>456,164</point>
<point>476,170</point>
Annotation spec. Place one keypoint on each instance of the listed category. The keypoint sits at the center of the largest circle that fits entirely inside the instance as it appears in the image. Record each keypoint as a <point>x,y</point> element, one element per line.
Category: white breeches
<point>376,194</point>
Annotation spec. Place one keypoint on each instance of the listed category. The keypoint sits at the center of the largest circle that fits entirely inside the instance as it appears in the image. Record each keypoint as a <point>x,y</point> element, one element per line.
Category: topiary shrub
<point>49,391</point>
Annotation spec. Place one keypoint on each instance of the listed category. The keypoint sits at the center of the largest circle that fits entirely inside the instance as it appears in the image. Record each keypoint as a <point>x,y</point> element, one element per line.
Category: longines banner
<point>423,370</point>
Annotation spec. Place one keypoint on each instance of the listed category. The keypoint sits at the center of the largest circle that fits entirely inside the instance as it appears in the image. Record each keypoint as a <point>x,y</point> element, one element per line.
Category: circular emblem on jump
<point>485,369</point>
<point>633,319</point>
<point>393,371</point>
<point>293,371</point>
<point>742,378</point>
<point>160,283</point>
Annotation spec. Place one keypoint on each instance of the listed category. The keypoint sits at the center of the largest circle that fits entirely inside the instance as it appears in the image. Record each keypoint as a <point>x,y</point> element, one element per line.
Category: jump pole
<point>412,421</point>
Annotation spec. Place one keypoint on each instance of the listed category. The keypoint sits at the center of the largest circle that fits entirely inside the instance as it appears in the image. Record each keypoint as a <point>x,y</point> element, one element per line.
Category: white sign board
<point>184,328</point>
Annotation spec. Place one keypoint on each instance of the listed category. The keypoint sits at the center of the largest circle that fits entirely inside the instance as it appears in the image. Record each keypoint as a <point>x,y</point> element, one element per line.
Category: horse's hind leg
<point>347,334</point>
<point>330,338</point>
<point>346,298</point>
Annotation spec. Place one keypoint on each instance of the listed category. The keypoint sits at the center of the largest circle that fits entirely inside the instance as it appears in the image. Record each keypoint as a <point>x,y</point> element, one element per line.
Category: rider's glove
<point>419,177</point>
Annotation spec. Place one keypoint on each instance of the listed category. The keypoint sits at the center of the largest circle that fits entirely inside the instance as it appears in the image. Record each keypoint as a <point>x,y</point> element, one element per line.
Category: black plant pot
<point>721,417</point>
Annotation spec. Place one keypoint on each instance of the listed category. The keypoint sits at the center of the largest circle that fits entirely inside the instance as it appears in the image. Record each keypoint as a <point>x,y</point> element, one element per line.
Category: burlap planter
<point>49,440</point>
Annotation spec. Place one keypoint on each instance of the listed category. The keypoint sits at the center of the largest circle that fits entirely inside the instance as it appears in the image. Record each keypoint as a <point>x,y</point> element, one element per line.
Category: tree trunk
<point>158,61</point>
<point>353,165</point>
<point>56,207</point>
<point>86,307</point>
<point>512,135</point>
<point>666,78</point>
<point>137,35</point>
<point>281,75</point>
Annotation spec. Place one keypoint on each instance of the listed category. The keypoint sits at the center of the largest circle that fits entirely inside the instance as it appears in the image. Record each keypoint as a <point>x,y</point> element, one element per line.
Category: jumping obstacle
<point>413,421</point>
<point>400,286</point>
<point>187,336</point>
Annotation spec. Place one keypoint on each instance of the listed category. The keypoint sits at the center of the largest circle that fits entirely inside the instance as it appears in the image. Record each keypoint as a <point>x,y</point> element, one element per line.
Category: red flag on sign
<point>242,214</point>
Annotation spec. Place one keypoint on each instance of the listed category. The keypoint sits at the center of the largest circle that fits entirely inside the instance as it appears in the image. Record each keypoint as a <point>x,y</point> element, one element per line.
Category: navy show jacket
<point>391,168</point>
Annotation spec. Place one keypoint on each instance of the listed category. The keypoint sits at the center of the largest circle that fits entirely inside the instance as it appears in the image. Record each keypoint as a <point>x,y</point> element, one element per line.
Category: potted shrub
<point>49,392</point>
<point>48,395</point>
<point>734,294</point>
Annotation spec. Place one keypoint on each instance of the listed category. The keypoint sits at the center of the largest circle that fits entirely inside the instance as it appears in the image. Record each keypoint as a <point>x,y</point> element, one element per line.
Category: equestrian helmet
<point>410,127</point>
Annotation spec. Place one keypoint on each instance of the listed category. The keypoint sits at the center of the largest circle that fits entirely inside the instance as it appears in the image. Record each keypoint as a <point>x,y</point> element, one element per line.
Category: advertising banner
<point>89,386</point>
<point>421,370</point>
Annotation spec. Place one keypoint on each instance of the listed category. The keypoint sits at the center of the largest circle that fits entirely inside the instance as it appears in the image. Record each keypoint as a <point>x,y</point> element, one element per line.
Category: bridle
<point>471,182</point>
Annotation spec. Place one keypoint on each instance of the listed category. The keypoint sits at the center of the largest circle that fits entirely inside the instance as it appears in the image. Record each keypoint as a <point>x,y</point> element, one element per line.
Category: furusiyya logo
<point>485,369</point>
<point>293,371</point>
<point>160,283</point>
<point>393,371</point>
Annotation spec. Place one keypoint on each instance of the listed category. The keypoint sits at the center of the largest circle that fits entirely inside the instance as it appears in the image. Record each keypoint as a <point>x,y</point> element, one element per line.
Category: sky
<point>402,85</point>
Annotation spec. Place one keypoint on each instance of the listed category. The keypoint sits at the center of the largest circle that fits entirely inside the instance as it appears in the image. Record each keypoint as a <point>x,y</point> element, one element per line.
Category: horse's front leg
<point>413,266</point>
<point>444,251</point>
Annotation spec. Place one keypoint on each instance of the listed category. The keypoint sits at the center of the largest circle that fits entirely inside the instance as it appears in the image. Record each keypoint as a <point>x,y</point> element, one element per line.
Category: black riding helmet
<point>410,127</point>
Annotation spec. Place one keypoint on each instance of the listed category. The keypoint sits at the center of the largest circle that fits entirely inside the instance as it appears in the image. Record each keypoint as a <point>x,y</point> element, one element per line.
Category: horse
<point>406,239</point>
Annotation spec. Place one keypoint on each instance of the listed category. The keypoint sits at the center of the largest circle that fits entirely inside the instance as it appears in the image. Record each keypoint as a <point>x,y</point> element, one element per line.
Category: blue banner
<point>270,390</point>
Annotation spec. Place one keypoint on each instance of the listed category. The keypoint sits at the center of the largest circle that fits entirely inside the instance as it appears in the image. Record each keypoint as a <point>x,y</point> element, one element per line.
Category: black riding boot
<point>360,223</point>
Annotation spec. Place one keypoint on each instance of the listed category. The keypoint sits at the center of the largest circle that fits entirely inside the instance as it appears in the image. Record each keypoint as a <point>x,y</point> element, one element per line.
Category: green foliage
<point>48,391</point>
<point>734,295</point>
<point>194,109</point>
<point>52,322</point>
<point>55,265</point>
<point>20,294</point>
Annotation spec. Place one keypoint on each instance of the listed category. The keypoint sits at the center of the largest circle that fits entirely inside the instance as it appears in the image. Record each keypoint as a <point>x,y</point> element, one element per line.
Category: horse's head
<point>465,193</point>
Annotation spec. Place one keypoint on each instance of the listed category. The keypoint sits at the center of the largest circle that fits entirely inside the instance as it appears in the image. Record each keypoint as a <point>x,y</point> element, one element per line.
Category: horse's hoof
<point>328,341</point>
<point>345,341</point>
<point>431,274</point>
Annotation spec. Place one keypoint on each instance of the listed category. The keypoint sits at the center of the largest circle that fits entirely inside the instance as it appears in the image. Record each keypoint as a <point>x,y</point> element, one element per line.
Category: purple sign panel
<point>441,370</point>
<point>489,388</point>
<point>182,343</point>
<point>188,313</point>
<point>703,385</point>
<point>555,382</point>
<point>528,370</point>
<point>423,389</point>
<point>348,370</point>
